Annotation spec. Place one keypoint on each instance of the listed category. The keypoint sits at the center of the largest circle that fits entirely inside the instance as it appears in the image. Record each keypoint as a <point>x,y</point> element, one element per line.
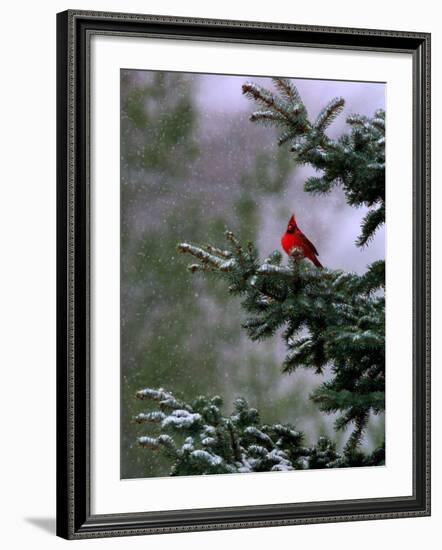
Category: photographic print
<point>224,262</point>
<point>252,274</point>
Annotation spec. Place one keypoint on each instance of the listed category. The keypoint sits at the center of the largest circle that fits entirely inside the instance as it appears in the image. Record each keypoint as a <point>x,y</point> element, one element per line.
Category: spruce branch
<point>372,220</point>
<point>330,318</point>
<point>240,442</point>
<point>266,99</point>
<point>287,90</point>
<point>329,113</point>
<point>268,118</point>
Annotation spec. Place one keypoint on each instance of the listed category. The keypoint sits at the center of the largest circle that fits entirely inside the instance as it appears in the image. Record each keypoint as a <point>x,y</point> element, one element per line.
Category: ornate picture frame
<point>75,516</point>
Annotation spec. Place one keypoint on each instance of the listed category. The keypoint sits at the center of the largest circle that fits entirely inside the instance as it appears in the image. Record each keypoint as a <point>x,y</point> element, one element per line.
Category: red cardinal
<point>294,237</point>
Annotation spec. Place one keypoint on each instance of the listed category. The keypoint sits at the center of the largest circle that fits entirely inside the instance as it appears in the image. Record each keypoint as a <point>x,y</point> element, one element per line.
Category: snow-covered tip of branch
<point>379,123</point>
<point>282,464</point>
<point>258,434</point>
<point>270,270</point>
<point>202,255</point>
<point>208,441</point>
<point>172,404</point>
<point>267,118</point>
<point>204,456</point>
<point>155,443</point>
<point>150,417</point>
<point>329,113</point>
<point>181,419</point>
<point>262,96</point>
<point>148,442</point>
<point>218,251</point>
<point>155,395</point>
<point>227,265</point>
<point>166,401</point>
<point>280,429</point>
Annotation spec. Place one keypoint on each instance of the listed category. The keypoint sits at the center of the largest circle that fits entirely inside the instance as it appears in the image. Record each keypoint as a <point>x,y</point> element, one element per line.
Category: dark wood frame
<point>74,519</point>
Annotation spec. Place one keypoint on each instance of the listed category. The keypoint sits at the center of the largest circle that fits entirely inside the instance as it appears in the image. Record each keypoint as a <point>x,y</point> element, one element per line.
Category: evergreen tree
<point>330,318</point>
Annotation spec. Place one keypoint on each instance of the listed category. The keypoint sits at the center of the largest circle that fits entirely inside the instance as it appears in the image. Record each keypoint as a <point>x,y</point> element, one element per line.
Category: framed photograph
<point>243,274</point>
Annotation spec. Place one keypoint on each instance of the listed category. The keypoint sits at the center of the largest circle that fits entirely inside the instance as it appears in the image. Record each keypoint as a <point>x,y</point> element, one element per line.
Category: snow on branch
<point>239,443</point>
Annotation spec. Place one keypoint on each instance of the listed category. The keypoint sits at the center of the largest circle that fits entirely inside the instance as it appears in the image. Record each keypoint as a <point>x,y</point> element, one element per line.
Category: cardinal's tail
<point>316,261</point>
